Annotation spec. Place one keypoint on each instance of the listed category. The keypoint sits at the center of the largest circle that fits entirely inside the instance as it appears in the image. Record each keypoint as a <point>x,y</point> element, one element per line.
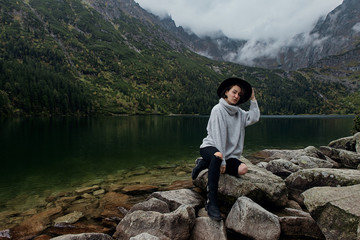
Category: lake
<point>39,156</point>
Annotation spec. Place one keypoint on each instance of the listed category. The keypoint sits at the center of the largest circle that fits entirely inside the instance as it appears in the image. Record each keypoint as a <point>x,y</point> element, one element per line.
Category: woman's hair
<point>228,89</point>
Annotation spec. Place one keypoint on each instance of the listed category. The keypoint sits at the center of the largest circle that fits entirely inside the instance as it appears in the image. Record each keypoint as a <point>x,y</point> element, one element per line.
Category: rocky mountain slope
<point>334,34</point>
<point>113,57</point>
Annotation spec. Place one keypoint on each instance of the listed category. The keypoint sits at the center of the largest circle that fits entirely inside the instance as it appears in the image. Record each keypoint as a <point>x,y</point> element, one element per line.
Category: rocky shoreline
<point>310,193</point>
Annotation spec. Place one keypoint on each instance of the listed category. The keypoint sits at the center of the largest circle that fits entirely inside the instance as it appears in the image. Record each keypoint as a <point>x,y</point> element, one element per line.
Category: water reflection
<point>44,154</point>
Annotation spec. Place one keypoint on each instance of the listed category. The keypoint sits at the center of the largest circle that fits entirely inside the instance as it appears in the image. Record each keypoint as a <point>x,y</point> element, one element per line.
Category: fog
<point>266,25</point>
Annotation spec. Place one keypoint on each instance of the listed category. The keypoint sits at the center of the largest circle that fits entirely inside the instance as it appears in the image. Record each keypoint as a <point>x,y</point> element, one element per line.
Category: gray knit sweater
<point>226,128</point>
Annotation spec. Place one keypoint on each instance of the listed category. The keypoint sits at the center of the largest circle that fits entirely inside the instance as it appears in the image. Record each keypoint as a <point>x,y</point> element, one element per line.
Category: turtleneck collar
<point>230,109</point>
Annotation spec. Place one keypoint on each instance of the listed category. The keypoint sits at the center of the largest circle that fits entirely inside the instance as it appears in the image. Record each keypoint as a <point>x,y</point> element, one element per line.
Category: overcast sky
<point>254,20</point>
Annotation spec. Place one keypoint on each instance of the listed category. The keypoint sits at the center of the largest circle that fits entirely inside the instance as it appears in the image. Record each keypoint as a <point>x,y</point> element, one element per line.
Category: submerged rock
<point>34,225</point>
<point>84,236</point>
<point>68,219</point>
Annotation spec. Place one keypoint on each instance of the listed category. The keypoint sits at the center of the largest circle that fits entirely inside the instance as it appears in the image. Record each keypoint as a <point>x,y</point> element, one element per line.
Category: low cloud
<point>266,25</point>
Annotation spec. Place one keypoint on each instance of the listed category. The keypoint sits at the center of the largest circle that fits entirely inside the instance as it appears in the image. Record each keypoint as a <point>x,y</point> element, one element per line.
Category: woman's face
<point>233,95</point>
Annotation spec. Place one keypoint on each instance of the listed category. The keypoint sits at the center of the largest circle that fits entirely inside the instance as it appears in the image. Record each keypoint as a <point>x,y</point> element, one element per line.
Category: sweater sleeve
<point>217,131</point>
<point>253,115</point>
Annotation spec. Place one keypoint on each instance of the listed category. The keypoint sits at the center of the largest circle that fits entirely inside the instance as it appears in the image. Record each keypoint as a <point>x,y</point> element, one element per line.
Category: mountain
<point>334,34</point>
<point>81,57</point>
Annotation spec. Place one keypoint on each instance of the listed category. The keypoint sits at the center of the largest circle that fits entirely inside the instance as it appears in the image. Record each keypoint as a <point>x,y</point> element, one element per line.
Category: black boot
<point>212,207</point>
<point>200,165</point>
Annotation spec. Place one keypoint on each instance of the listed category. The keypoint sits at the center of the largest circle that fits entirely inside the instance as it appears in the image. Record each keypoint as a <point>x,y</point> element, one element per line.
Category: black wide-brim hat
<point>245,87</point>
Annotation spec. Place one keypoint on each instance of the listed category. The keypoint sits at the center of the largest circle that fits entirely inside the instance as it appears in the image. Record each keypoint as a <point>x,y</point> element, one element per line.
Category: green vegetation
<point>63,57</point>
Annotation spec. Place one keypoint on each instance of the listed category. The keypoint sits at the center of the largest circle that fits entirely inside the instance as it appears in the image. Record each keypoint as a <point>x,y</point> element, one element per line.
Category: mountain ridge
<point>332,35</point>
<point>85,57</point>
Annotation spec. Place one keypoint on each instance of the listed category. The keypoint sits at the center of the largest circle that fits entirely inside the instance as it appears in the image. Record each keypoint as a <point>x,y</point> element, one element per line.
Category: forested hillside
<point>70,57</point>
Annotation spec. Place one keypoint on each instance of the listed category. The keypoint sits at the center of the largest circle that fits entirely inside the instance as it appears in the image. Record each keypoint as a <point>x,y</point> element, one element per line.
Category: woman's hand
<point>218,155</point>
<point>222,169</point>
<point>253,95</point>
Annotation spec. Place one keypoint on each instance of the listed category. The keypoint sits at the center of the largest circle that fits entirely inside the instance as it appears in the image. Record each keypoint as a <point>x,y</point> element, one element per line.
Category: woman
<point>222,148</point>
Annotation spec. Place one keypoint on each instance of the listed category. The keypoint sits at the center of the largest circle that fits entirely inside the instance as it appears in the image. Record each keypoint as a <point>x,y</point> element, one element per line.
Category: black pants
<point>232,164</point>
<point>213,164</point>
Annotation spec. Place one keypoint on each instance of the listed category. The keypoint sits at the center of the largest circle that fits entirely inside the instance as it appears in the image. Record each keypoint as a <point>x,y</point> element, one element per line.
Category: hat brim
<point>245,86</point>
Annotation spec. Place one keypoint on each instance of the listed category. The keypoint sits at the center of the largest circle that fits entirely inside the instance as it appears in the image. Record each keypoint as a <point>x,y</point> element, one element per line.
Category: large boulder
<point>346,158</point>
<point>346,143</point>
<point>207,229</point>
<point>251,220</point>
<point>152,204</point>
<point>175,225</point>
<point>312,162</point>
<point>176,198</point>
<point>272,154</point>
<point>298,224</point>
<point>315,177</point>
<point>282,168</point>
<point>260,185</point>
<point>144,236</point>
<point>305,179</point>
<point>357,142</point>
<point>336,210</point>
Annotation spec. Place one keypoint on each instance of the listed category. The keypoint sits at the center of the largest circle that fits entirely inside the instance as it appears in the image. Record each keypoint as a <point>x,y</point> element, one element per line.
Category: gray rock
<point>346,143</point>
<point>357,142</point>
<point>258,184</point>
<point>152,204</point>
<point>298,224</point>
<point>311,162</point>
<point>310,151</point>
<point>144,236</point>
<point>308,178</point>
<point>207,229</point>
<point>347,159</point>
<point>251,220</point>
<point>165,226</point>
<point>175,198</point>
<point>282,167</point>
<point>262,164</point>
<point>84,236</point>
<point>336,210</point>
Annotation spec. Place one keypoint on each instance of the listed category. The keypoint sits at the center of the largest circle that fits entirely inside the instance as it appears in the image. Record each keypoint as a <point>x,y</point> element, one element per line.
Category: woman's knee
<point>242,169</point>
